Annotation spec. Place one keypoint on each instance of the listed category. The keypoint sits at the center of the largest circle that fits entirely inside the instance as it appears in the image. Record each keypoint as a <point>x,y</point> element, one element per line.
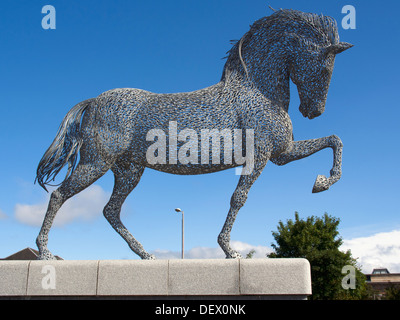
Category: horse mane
<point>324,27</point>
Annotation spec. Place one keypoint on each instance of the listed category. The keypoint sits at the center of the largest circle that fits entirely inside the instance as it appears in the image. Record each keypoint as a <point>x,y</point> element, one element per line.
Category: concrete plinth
<point>161,279</point>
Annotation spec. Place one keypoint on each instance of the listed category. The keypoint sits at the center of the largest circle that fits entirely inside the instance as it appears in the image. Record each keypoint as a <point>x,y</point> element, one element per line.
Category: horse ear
<point>338,48</point>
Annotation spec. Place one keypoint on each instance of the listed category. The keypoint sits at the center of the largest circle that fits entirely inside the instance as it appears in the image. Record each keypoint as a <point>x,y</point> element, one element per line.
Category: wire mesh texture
<point>244,116</point>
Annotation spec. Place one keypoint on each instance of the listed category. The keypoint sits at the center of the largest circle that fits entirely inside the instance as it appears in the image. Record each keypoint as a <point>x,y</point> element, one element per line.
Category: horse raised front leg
<point>238,199</point>
<point>301,149</point>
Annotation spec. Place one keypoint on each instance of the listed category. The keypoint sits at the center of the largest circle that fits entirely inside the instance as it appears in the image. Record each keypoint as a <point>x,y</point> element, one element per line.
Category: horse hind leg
<point>126,179</point>
<point>55,203</point>
<point>82,177</point>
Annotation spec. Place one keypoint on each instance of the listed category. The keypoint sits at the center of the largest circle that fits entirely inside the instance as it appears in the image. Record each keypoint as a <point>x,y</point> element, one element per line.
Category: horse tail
<point>64,148</point>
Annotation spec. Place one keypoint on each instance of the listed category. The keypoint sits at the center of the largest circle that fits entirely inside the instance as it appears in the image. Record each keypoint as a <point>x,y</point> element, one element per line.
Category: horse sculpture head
<point>311,71</point>
<point>313,50</point>
<point>289,44</point>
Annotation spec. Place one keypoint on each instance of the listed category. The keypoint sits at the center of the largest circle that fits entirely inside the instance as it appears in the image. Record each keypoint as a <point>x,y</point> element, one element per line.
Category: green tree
<point>392,292</point>
<point>317,240</point>
<point>250,254</point>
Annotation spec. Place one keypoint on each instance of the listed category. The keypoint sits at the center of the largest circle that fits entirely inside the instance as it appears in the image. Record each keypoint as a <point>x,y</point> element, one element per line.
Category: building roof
<point>380,271</point>
<point>26,254</point>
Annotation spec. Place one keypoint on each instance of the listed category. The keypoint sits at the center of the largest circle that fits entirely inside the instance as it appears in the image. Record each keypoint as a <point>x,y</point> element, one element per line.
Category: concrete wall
<point>244,278</point>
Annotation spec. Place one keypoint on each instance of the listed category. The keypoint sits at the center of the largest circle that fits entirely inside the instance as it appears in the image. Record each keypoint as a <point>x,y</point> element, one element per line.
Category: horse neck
<point>270,77</point>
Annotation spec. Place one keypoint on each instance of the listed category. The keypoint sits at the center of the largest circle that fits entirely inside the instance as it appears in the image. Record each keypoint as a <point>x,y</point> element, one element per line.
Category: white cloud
<point>378,250</point>
<point>87,205</point>
<point>2,215</point>
<point>245,248</point>
<point>214,253</point>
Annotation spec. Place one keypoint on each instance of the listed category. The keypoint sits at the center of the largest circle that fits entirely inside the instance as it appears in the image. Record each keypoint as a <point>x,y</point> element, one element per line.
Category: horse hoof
<point>233,255</point>
<point>149,257</point>
<point>321,184</point>
<point>46,255</point>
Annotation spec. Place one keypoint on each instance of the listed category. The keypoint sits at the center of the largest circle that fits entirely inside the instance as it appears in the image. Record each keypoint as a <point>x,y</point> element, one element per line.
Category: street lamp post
<point>183,239</point>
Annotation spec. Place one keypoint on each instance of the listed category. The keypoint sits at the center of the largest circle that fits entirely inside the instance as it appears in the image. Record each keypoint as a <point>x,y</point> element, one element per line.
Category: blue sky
<point>176,46</point>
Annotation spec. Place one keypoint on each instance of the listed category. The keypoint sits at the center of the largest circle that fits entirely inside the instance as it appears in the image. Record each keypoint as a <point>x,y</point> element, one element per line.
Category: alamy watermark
<point>49,20</point>
<point>349,280</point>
<point>49,280</point>
<point>188,153</point>
<point>349,20</point>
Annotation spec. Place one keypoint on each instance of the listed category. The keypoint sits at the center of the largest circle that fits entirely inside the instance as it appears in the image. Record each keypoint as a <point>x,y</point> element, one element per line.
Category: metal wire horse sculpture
<point>110,131</point>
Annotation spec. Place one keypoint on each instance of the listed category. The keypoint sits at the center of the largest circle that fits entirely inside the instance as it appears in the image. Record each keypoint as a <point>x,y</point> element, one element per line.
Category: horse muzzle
<point>311,113</point>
